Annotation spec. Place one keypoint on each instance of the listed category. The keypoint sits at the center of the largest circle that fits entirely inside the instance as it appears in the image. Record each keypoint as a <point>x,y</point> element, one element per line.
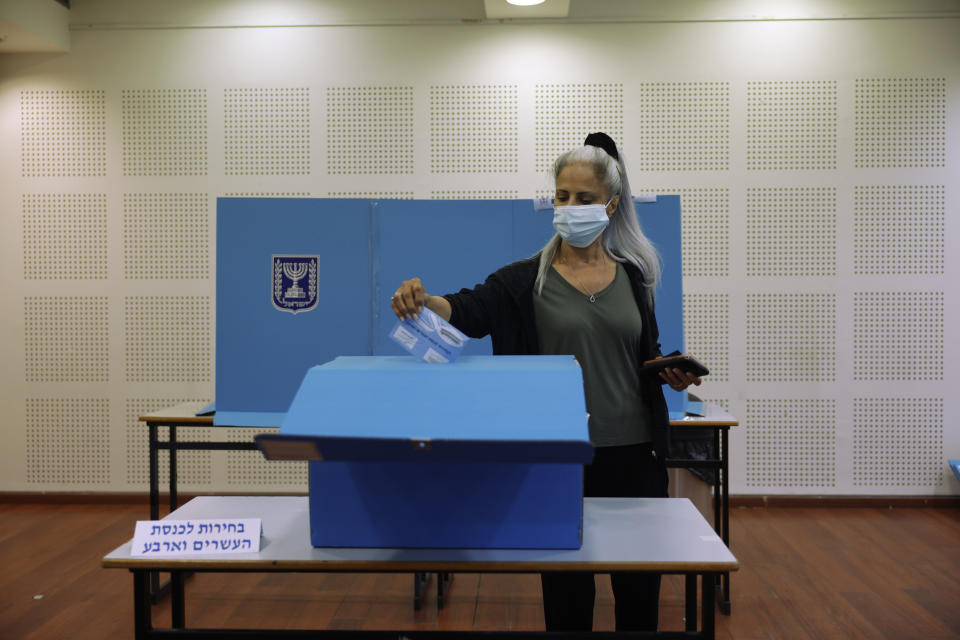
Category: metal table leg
<point>443,583</point>
<point>420,580</point>
<point>707,587</point>
<point>142,622</point>
<point>690,601</point>
<point>724,579</point>
<point>178,615</point>
<point>172,431</point>
<point>154,591</point>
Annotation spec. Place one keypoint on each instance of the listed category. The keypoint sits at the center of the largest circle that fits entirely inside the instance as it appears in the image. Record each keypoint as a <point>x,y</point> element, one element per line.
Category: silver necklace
<point>593,296</point>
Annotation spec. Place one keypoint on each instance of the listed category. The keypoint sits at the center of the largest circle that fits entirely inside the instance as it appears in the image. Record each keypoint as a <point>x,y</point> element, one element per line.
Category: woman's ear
<point>614,202</point>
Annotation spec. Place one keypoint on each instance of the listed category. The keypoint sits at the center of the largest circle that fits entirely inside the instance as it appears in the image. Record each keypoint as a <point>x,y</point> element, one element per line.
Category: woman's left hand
<point>678,379</point>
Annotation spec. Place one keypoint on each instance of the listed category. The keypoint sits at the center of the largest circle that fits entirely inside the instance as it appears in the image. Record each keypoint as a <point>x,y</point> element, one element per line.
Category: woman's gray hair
<point>623,240</point>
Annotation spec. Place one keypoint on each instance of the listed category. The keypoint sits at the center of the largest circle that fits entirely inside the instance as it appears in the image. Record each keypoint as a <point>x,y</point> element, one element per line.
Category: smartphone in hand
<point>682,361</point>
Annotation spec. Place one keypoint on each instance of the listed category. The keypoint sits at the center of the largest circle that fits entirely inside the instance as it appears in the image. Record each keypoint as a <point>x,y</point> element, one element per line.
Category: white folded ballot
<point>429,337</point>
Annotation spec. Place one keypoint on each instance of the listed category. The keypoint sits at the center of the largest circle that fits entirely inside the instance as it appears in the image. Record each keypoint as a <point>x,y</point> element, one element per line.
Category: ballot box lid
<point>479,408</point>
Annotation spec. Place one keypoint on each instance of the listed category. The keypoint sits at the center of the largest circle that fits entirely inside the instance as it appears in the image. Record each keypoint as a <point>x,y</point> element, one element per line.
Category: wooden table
<point>663,535</point>
<point>184,415</point>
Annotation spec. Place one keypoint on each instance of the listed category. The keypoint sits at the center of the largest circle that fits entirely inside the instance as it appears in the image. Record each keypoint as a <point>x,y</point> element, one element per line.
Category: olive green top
<point>604,336</point>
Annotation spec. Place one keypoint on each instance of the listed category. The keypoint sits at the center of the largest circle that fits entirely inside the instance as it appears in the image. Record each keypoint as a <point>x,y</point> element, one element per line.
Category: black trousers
<point>617,472</point>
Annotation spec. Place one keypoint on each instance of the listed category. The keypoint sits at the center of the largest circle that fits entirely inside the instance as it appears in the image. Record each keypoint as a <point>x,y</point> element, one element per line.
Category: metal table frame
<point>439,561</point>
<point>144,630</point>
<point>183,416</point>
<point>721,487</point>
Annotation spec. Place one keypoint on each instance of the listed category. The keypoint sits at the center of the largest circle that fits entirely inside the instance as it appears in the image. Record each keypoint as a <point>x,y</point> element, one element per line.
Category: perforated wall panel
<point>791,443</point>
<point>898,335</point>
<point>545,193</point>
<point>166,235</point>
<point>792,231</point>
<point>65,236</point>
<point>566,113</point>
<point>900,122</point>
<point>682,126</point>
<point>473,129</point>
<point>705,229</point>
<point>899,230</point>
<point>373,195</point>
<point>267,194</point>
<point>66,338</point>
<point>63,133</point>
<point>164,132</point>
<point>168,338</point>
<point>706,331</point>
<point>251,469</point>
<point>792,124</point>
<point>267,131</point>
<point>369,130</point>
<point>478,194</point>
<point>791,337</point>
<point>68,441</point>
<point>898,442</point>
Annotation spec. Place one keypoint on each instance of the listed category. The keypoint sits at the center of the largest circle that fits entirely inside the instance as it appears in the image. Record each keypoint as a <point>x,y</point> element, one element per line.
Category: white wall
<point>814,159</point>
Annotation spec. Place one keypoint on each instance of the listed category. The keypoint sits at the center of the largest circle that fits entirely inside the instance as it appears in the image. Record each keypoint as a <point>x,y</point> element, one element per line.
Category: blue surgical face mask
<point>580,225</point>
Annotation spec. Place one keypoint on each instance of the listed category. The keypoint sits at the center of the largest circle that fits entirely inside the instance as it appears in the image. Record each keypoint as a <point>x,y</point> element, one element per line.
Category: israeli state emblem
<point>295,283</point>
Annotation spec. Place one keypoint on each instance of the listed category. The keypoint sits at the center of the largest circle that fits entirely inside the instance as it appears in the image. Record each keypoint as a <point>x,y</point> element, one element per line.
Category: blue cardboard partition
<point>661,222</point>
<point>482,453</point>
<point>264,349</point>
<point>362,250</point>
<point>447,244</point>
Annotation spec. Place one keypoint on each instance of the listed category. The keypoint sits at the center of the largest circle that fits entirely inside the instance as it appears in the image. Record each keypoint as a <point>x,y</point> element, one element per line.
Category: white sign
<point>539,204</point>
<point>196,537</point>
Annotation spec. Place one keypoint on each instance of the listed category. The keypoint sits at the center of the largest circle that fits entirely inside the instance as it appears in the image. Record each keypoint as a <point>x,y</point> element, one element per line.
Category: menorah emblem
<point>295,271</point>
<point>286,274</point>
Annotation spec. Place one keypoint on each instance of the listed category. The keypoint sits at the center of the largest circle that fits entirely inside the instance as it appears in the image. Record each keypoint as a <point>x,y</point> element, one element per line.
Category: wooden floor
<point>806,573</point>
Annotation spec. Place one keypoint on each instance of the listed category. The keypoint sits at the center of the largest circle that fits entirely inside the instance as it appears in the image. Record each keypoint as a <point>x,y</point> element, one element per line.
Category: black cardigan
<point>502,307</point>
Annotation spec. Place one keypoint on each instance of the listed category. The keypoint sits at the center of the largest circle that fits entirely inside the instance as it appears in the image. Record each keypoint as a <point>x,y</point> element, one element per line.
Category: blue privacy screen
<point>274,322</point>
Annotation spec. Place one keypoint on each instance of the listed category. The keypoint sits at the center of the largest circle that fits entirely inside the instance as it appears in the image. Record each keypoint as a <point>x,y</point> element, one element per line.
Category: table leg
<point>172,430</point>
<point>419,587</point>
<point>718,480</point>
<point>154,465</point>
<point>178,615</point>
<point>725,458</point>
<point>690,601</point>
<point>707,587</point>
<point>443,583</point>
<point>142,623</point>
<point>154,473</point>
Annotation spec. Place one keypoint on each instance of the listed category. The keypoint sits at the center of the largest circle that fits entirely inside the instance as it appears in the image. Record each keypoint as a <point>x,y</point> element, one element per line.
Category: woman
<point>588,292</point>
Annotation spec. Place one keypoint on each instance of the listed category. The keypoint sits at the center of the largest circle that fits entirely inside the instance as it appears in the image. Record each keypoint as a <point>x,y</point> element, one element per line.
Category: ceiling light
<point>524,9</point>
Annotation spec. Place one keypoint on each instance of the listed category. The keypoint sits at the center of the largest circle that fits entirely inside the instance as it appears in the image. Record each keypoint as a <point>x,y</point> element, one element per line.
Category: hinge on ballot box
<point>421,444</point>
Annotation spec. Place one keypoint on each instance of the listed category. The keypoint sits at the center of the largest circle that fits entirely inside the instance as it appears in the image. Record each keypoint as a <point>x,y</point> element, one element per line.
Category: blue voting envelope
<point>485,452</point>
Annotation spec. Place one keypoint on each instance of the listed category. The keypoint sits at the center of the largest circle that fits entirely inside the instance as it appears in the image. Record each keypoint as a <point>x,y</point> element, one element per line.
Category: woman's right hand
<point>409,299</point>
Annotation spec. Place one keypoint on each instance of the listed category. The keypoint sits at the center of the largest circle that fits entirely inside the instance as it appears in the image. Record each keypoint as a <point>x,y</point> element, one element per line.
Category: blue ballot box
<point>486,452</point>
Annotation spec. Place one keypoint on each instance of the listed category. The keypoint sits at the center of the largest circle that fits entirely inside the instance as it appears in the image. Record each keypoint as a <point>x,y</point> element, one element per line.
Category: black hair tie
<point>605,142</point>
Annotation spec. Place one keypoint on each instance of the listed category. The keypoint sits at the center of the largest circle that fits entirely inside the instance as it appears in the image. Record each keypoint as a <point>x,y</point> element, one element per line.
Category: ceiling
<point>44,25</point>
